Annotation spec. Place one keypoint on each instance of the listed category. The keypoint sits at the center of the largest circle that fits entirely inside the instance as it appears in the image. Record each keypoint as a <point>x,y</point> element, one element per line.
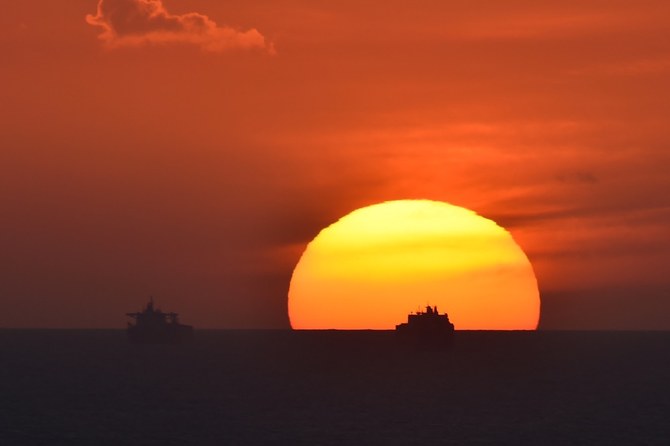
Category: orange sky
<point>193,154</point>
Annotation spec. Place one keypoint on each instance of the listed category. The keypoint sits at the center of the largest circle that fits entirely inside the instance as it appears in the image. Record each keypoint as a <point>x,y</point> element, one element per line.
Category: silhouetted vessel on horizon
<point>152,326</point>
<point>427,327</point>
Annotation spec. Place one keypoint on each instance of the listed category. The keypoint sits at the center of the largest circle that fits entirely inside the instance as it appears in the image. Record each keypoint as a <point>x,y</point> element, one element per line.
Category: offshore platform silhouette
<point>152,326</point>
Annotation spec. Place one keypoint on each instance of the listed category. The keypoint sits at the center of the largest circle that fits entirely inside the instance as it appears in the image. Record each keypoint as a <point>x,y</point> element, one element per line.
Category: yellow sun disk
<point>376,264</point>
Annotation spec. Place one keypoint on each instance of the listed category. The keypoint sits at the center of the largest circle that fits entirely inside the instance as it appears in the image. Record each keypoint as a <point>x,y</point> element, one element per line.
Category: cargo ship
<point>153,326</point>
<point>428,327</point>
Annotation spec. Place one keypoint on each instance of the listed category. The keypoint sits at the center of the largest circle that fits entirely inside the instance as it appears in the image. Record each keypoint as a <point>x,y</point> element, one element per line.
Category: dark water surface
<point>349,388</point>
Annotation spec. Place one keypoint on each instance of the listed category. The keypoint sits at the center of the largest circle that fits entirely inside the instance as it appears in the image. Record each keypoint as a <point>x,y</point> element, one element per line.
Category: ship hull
<point>422,337</point>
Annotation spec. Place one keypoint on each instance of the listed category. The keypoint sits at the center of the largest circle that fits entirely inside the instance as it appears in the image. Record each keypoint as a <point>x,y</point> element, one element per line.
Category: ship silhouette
<point>153,326</point>
<point>427,327</point>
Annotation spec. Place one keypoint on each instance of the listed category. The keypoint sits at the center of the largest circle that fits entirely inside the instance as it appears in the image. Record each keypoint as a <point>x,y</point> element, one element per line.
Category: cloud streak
<point>144,22</point>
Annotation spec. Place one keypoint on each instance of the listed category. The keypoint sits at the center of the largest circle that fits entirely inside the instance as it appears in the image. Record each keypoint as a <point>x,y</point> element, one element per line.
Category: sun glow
<point>375,265</point>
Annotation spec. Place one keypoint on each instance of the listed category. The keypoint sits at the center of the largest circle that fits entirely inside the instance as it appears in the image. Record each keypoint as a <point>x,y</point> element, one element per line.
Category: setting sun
<point>374,266</point>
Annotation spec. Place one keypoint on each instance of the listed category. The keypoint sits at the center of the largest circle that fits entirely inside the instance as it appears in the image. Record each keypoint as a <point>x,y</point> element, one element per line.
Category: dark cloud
<point>578,178</point>
<point>623,248</point>
<point>629,213</point>
<point>632,307</point>
<point>140,22</point>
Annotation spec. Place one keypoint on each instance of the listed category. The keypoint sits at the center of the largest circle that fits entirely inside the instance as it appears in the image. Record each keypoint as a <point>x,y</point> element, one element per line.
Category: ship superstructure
<point>153,326</point>
<point>428,325</point>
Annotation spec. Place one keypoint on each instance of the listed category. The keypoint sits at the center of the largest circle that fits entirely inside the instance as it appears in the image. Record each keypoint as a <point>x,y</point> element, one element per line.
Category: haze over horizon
<point>192,152</point>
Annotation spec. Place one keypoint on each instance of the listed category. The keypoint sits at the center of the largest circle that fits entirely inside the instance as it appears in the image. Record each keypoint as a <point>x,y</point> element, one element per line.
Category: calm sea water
<point>339,388</point>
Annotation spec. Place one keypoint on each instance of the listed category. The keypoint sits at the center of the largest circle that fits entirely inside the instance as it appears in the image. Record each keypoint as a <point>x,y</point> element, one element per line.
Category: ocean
<point>91,387</point>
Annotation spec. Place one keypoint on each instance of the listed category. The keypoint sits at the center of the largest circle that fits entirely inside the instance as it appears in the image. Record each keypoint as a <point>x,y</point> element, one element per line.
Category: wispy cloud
<point>142,22</point>
<point>540,24</point>
<point>659,64</point>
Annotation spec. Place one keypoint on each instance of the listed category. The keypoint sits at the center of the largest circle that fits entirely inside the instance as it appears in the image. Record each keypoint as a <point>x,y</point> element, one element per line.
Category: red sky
<point>193,153</point>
